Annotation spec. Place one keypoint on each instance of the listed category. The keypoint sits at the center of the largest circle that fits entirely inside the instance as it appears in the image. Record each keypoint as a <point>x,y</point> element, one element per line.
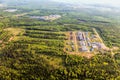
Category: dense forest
<point>33,49</point>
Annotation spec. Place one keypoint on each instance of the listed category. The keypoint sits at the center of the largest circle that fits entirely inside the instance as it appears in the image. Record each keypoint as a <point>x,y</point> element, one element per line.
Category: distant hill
<point>33,3</point>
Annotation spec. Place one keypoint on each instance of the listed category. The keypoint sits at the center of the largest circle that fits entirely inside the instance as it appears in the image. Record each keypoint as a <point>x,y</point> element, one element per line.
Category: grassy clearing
<point>15,32</point>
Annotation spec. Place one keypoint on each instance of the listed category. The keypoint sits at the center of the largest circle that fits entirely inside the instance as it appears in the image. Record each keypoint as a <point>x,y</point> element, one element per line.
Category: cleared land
<point>19,15</point>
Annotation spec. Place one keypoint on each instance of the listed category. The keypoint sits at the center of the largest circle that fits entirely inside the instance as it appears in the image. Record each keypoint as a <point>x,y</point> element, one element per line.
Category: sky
<point>115,3</point>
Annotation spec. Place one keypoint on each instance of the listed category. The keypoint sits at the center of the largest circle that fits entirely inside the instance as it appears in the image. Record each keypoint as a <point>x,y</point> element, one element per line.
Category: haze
<point>114,3</point>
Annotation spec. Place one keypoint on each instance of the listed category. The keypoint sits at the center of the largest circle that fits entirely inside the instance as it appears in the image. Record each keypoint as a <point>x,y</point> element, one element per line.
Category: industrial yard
<point>47,18</point>
<point>83,42</point>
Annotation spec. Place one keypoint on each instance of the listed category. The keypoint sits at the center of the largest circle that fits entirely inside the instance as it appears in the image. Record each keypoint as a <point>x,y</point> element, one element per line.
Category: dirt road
<point>75,41</point>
